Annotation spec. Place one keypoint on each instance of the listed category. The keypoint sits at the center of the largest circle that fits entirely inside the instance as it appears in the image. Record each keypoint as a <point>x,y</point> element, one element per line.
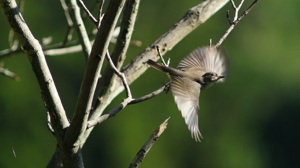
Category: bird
<point>202,67</point>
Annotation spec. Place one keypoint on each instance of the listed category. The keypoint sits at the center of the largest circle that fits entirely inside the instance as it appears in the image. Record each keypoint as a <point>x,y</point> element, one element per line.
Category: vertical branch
<point>74,12</point>
<point>119,53</point>
<point>127,27</point>
<point>74,135</point>
<point>69,32</point>
<point>36,57</point>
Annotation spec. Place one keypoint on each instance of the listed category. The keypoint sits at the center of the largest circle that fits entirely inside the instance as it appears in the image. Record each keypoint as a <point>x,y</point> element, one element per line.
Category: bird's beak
<point>221,77</point>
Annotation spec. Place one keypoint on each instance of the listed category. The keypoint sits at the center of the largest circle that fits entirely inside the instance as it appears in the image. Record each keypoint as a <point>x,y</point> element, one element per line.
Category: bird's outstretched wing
<point>186,94</point>
<point>209,59</point>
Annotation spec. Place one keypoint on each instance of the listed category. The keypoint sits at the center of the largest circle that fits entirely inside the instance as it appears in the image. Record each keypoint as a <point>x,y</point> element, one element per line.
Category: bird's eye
<point>208,75</point>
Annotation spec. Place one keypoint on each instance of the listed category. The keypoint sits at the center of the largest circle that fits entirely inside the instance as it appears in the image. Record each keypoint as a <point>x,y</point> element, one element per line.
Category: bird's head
<point>211,77</point>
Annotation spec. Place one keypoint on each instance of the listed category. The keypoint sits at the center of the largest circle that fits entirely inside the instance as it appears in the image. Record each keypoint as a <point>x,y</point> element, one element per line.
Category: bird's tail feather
<point>157,66</point>
<point>169,70</point>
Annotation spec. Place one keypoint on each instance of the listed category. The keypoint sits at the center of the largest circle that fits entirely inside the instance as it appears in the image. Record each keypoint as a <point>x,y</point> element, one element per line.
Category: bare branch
<point>120,50</point>
<point>111,113</point>
<point>100,15</point>
<point>120,75</point>
<point>122,105</point>
<point>161,57</point>
<point>68,36</point>
<point>151,95</point>
<point>235,22</point>
<point>74,135</point>
<point>14,152</point>
<point>63,51</point>
<point>74,12</point>
<point>119,54</point>
<point>8,73</point>
<point>37,59</point>
<point>236,9</point>
<point>148,145</point>
<point>49,125</point>
<point>66,12</point>
<point>125,102</point>
<point>94,20</point>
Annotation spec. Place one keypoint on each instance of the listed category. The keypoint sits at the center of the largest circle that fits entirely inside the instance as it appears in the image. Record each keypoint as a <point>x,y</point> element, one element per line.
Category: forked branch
<point>236,19</point>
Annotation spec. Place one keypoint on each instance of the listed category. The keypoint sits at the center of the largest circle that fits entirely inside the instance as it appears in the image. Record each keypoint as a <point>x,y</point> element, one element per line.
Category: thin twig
<point>235,22</point>
<point>236,9</point>
<point>151,95</point>
<point>120,75</point>
<point>14,152</point>
<point>74,12</point>
<point>100,15</point>
<point>162,58</point>
<point>148,145</point>
<point>124,103</point>
<point>68,36</point>
<point>8,73</point>
<point>94,20</point>
<point>49,125</point>
<point>66,12</point>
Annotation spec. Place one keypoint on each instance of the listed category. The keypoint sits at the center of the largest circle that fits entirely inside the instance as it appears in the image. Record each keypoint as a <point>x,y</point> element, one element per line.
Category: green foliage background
<point>251,120</point>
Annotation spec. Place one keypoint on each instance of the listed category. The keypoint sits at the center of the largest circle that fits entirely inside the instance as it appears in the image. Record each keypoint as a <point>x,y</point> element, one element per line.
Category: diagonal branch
<point>124,103</point>
<point>8,73</point>
<point>235,21</point>
<point>151,95</point>
<point>36,57</point>
<point>94,20</point>
<point>148,145</point>
<point>74,12</point>
<point>120,75</point>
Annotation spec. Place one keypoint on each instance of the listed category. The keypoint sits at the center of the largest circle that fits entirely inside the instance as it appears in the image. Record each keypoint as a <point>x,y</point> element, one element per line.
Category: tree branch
<point>236,20</point>
<point>123,104</point>
<point>74,12</point>
<point>94,20</point>
<point>8,73</point>
<point>148,145</point>
<point>74,135</point>
<point>151,95</point>
<point>190,21</point>
<point>36,57</point>
<point>119,53</point>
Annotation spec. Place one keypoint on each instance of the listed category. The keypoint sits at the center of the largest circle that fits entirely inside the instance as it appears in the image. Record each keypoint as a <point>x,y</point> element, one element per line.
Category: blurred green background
<point>251,120</point>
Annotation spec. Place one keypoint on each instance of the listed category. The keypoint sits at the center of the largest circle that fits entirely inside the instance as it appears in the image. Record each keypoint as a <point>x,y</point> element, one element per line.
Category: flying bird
<point>200,68</point>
